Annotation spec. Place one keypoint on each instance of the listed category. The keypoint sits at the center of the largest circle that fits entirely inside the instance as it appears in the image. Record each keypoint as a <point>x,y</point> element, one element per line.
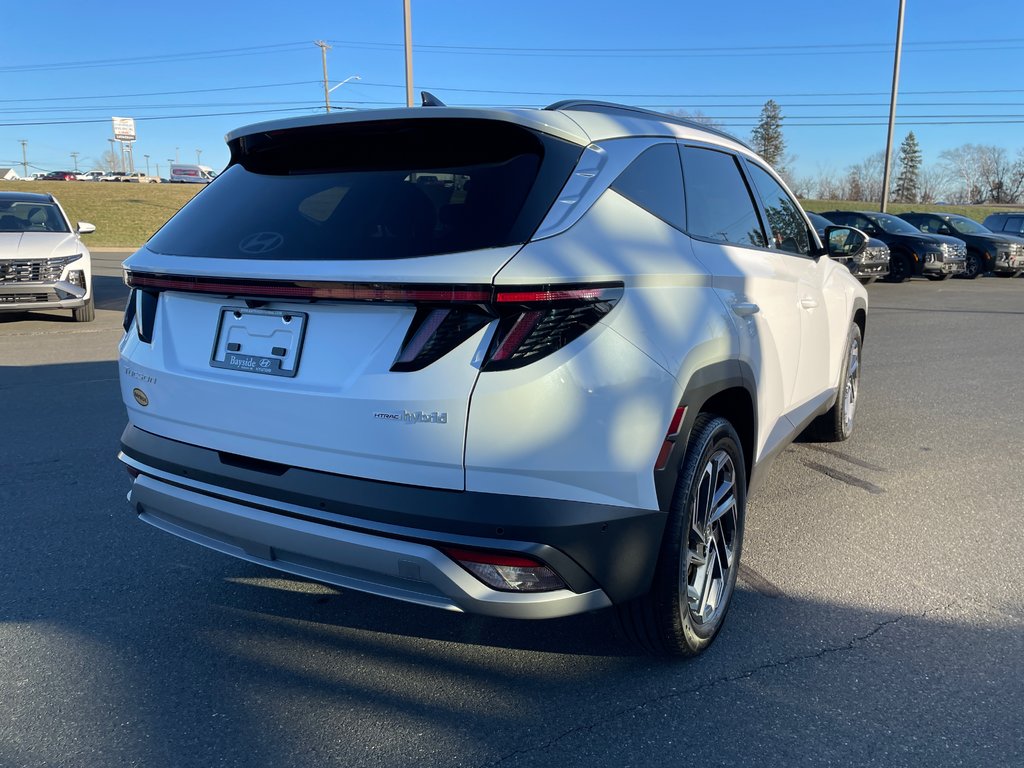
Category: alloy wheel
<point>711,545</point>
<point>852,385</point>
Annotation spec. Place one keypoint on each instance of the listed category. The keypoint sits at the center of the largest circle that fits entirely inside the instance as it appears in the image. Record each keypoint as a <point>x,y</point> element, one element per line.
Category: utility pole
<point>892,108</point>
<point>408,54</point>
<point>147,166</point>
<point>24,158</point>
<point>198,153</point>
<point>74,156</point>
<point>323,46</point>
<point>176,157</point>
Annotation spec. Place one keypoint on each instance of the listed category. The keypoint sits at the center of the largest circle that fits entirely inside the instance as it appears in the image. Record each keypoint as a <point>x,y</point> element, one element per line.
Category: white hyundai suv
<point>523,363</point>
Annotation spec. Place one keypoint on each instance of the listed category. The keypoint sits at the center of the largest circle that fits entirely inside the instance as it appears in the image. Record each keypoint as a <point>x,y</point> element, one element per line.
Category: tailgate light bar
<point>532,321</point>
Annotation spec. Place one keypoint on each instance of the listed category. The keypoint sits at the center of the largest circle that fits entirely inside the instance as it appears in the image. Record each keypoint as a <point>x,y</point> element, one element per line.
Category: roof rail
<point>586,105</point>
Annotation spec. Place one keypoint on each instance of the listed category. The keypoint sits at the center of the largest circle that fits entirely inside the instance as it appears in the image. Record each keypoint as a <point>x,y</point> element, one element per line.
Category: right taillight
<point>535,321</point>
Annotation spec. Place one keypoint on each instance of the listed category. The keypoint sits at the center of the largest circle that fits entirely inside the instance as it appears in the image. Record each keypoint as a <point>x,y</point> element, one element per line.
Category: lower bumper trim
<point>403,570</point>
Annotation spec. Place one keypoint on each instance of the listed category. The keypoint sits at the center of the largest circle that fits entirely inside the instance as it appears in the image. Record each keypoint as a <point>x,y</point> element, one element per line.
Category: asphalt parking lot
<point>879,619</point>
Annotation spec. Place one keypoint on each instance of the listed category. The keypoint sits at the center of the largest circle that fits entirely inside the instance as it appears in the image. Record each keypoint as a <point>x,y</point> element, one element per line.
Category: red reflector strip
<point>578,294</point>
<point>677,421</point>
<point>489,558</point>
<point>312,290</point>
<point>666,449</point>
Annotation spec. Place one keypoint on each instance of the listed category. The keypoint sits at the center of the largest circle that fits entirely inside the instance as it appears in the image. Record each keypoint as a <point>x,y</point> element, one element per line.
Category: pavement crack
<point>713,683</point>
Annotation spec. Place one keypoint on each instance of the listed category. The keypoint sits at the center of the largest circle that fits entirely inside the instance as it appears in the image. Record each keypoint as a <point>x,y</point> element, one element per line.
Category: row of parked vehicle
<point>135,176</point>
<point>937,246</point>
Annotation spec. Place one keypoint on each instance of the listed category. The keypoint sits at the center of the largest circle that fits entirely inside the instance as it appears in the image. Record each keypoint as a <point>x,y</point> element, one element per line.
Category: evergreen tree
<point>909,161</point>
<point>767,134</point>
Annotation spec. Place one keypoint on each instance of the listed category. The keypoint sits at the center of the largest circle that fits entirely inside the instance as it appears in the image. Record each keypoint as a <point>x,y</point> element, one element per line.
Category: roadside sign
<point>124,128</point>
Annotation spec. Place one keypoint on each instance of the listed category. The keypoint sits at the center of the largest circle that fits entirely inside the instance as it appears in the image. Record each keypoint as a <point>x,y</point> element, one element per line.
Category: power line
<point>159,58</point>
<point>160,93</point>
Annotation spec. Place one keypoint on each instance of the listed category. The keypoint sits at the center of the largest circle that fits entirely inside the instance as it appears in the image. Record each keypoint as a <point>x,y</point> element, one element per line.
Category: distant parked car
<point>90,176</point>
<point>59,176</point>
<point>987,251</point>
<point>911,252</point>
<point>139,177</point>
<point>871,264</point>
<point>43,262</point>
<point>112,176</point>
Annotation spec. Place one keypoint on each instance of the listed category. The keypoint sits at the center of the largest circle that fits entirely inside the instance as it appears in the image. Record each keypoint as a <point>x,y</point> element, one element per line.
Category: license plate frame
<point>267,342</point>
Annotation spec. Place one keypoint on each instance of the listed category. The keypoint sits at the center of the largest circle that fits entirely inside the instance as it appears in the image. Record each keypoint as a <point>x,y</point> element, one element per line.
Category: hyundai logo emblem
<point>260,242</point>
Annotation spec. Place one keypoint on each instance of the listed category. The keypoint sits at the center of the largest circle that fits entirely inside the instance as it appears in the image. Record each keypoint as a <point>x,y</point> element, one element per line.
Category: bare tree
<point>964,165</point>
<point>698,117</point>
<point>933,183</point>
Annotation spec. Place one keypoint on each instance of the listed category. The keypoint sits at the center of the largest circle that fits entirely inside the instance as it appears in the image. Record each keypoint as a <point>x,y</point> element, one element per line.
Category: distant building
<point>8,174</point>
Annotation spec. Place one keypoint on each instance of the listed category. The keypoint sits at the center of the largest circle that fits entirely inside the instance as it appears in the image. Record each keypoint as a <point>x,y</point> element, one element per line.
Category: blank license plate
<point>264,341</point>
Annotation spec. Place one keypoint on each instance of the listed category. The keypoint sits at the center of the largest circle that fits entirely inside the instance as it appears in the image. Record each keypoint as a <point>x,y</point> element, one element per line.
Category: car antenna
<point>430,100</point>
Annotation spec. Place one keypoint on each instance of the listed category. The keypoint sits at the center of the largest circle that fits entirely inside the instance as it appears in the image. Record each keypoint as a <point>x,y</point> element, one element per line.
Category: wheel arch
<point>726,389</point>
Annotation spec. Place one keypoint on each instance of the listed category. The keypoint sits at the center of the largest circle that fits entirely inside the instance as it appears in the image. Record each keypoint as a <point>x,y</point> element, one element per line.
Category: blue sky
<point>190,71</point>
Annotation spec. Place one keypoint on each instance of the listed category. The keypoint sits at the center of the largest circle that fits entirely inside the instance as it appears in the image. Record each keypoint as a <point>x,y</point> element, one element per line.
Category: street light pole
<point>147,166</point>
<point>198,153</point>
<point>892,108</point>
<point>408,54</point>
<point>322,44</point>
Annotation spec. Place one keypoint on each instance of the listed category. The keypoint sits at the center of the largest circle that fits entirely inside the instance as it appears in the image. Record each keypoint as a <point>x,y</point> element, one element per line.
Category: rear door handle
<point>808,303</point>
<point>745,308</point>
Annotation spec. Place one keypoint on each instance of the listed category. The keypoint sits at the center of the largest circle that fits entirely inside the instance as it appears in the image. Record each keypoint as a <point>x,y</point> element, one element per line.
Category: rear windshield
<point>377,190</point>
<point>20,216</point>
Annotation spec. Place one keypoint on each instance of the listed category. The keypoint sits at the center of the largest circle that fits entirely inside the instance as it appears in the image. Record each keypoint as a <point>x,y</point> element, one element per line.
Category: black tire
<point>85,314</point>
<point>837,424</point>
<point>664,621</point>
<point>1007,274</point>
<point>973,266</point>
<point>899,268</point>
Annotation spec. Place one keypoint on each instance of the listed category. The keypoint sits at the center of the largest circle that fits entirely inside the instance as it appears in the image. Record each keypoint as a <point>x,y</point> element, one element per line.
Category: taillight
<point>536,321</point>
<point>505,571</point>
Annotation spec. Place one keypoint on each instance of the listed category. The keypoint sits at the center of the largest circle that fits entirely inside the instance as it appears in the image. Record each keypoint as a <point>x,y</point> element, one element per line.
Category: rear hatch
<point>325,302</point>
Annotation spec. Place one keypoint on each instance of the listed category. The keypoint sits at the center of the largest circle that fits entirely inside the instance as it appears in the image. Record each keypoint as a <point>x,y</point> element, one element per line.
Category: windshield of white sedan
<point>386,190</point>
<point>20,216</point>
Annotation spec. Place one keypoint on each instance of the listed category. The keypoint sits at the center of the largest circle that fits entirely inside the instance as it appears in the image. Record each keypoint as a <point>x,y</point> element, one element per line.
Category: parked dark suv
<point>1006,223</point>
<point>871,264</point>
<point>986,250</point>
<point>911,252</point>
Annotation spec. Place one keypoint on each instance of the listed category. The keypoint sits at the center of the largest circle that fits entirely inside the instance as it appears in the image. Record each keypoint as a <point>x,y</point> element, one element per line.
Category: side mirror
<point>845,242</point>
<point>85,228</point>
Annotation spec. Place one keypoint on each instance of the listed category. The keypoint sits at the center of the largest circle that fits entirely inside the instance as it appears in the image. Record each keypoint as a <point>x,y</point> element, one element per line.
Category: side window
<point>1013,224</point>
<point>784,218</point>
<point>718,203</point>
<point>654,181</point>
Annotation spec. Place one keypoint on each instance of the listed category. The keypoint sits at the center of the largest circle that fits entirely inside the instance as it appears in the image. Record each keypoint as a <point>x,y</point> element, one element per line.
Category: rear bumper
<point>383,538</point>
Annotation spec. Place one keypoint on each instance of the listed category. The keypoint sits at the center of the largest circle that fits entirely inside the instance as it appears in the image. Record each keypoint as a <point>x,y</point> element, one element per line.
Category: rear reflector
<point>670,438</point>
<point>506,572</point>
